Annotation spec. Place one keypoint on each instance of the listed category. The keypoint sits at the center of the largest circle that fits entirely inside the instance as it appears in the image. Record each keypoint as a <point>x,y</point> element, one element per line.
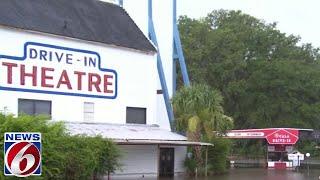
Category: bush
<point>193,168</point>
<point>190,164</point>
<point>308,146</point>
<point>217,155</point>
<point>64,156</point>
<point>249,148</point>
<point>217,158</point>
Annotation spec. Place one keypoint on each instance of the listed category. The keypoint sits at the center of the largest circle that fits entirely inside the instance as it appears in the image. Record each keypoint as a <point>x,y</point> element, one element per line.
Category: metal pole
<point>308,166</point>
<point>267,156</point>
<point>177,47</point>
<point>175,56</point>
<point>206,170</point>
<point>153,38</point>
<point>298,163</point>
<point>196,172</point>
<point>158,161</point>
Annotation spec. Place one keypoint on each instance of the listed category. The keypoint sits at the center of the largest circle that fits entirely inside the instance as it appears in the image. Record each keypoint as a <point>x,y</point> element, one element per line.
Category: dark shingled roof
<point>90,20</point>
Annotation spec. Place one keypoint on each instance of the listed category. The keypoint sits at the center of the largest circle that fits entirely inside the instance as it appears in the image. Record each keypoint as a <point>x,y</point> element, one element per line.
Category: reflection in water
<point>263,174</point>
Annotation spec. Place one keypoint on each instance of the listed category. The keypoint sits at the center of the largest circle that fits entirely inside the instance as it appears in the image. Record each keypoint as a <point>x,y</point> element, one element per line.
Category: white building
<point>87,63</point>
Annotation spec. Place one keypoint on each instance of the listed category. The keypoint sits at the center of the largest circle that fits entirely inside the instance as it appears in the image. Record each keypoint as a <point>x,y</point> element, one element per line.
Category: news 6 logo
<point>22,154</point>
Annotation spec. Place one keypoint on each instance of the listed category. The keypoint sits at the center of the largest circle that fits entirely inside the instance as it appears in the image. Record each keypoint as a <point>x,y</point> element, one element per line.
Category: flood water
<point>253,174</point>
<point>263,174</point>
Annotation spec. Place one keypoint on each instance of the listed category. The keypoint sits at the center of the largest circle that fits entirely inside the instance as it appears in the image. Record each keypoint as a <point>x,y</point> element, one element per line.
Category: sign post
<point>307,157</point>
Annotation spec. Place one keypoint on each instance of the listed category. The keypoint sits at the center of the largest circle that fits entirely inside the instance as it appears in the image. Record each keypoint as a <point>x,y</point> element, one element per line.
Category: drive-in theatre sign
<point>272,135</point>
<point>53,69</point>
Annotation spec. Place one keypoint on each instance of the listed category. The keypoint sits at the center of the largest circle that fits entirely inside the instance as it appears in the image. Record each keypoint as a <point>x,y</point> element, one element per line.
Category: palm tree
<point>198,111</point>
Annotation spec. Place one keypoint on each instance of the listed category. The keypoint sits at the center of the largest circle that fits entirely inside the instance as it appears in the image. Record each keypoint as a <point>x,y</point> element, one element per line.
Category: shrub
<point>217,155</point>
<point>64,156</point>
<point>190,164</point>
<point>217,158</point>
<point>308,146</point>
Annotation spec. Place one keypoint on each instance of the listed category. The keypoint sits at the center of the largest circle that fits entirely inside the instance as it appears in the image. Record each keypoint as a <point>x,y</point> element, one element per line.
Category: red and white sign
<point>283,136</point>
<point>246,134</point>
<point>272,135</point>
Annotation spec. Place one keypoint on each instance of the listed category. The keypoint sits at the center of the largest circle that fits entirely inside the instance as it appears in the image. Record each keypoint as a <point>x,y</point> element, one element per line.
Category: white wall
<point>162,18</point>
<point>139,160</point>
<point>142,160</point>
<point>180,155</point>
<point>136,72</point>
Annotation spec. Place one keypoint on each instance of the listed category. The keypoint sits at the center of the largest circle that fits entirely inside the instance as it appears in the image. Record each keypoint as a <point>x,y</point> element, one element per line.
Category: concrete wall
<point>136,73</point>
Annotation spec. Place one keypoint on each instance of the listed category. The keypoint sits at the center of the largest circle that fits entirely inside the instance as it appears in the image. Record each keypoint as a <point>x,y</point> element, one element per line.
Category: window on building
<point>136,115</point>
<point>34,107</point>
<point>88,111</point>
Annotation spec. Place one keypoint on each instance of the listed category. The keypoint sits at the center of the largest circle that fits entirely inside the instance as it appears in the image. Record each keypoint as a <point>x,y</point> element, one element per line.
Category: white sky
<point>297,17</point>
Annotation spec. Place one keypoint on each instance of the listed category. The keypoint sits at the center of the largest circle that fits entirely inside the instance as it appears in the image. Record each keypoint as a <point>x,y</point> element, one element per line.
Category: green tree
<point>198,111</point>
<point>265,77</point>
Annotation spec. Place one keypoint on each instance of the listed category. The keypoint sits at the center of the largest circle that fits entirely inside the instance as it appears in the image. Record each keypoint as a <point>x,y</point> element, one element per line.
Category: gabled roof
<point>90,20</point>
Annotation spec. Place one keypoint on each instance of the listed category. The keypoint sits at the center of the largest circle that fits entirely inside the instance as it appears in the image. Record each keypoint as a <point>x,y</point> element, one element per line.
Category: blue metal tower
<point>178,52</point>
<point>153,38</point>
<point>177,57</point>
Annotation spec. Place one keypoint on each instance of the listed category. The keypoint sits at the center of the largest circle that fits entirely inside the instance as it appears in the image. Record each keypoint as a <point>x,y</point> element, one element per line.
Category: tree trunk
<point>196,136</point>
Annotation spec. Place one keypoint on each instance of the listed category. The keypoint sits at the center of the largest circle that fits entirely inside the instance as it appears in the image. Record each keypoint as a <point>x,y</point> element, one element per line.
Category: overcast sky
<point>297,17</point>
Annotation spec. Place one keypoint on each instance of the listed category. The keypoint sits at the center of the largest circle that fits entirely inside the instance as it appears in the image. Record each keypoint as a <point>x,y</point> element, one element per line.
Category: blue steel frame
<point>178,52</point>
<point>177,56</point>
<point>153,38</point>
